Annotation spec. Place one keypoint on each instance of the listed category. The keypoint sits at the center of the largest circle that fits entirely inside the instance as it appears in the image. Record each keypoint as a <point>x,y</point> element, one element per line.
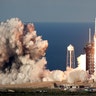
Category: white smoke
<point>82,62</point>
<point>77,75</point>
<point>56,75</point>
<point>93,77</point>
<point>22,56</point>
<point>70,76</point>
<point>21,53</point>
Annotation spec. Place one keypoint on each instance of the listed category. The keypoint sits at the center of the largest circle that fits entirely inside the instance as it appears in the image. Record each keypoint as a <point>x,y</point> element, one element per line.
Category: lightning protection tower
<point>70,57</point>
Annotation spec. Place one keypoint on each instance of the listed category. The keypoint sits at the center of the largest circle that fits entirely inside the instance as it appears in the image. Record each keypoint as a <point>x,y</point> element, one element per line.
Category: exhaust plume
<point>76,75</point>
<point>21,53</point>
<point>22,56</point>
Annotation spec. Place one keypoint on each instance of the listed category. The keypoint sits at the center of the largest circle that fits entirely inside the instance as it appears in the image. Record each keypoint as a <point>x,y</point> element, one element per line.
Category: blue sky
<point>49,10</point>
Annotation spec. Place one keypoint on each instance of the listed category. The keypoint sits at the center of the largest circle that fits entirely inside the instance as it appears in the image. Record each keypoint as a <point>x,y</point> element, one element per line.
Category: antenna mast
<point>89,35</point>
<point>95,25</point>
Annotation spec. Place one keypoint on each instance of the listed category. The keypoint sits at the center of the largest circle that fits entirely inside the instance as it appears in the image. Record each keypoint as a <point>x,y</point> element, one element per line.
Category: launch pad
<point>52,85</point>
<point>49,88</point>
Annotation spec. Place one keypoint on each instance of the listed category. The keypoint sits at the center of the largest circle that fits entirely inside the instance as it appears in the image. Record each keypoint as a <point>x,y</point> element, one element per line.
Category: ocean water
<point>59,36</point>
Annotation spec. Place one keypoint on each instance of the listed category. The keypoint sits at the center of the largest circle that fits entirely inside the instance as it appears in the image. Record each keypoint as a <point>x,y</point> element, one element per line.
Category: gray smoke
<point>21,53</point>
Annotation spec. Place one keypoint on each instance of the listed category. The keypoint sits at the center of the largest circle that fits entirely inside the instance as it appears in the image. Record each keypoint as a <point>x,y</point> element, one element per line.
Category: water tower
<point>70,57</point>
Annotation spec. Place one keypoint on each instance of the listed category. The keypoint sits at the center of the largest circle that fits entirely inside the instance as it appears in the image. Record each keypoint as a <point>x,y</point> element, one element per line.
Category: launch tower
<point>89,50</point>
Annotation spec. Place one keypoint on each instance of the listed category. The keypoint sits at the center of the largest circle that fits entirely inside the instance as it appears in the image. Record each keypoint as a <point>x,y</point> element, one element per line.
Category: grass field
<point>42,92</point>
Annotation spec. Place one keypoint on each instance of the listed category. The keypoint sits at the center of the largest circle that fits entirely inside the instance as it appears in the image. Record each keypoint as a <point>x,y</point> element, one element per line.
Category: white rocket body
<point>95,47</point>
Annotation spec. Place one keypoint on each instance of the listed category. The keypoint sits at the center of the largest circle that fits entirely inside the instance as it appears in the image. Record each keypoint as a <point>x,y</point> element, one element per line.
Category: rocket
<point>95,47</point>
<point>95,30</point>
<point>95,26</point>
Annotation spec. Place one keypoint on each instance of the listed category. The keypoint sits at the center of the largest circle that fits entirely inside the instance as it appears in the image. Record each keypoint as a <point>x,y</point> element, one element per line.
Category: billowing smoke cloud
<point>56,75</point>
<point>22,56</point>
<point>93,77</point>
<point>21,53</point>
<point>76,75</point>
<point>70,76</point>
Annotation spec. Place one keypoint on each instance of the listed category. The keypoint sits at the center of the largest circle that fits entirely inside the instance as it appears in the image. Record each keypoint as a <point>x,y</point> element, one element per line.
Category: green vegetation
<point>42,92</point>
